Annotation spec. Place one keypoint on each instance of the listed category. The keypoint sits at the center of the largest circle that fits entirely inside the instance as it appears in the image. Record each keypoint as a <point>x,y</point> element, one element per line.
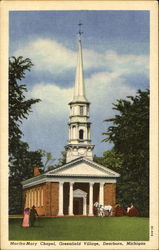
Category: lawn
<point>82,228</point>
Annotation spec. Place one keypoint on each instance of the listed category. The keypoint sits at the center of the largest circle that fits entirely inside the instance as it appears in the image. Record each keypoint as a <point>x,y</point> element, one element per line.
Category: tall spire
<point>79,89</point>
<point>79,143</point>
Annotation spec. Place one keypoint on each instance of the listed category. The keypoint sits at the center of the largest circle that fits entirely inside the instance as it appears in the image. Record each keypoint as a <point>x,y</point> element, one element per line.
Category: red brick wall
<point>36,171</point>
<point>54,198</point>
<point>47,200</point>
<point>50,198</point>
<point>40,209</point>
<point>110,194</point>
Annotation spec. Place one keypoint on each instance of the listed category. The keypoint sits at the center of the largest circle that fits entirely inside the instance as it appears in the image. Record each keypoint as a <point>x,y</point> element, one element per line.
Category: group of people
<point>29,217</point>
<point>117,210</point>
<point>130,211</point>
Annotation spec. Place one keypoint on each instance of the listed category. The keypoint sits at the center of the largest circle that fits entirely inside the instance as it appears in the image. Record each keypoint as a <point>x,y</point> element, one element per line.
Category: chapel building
<point>73,188</point>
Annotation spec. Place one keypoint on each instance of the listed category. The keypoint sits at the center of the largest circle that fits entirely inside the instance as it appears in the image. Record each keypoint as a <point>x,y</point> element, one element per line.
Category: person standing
<point>132,211</point>
<point>33,214</point>
<point>25,222</point>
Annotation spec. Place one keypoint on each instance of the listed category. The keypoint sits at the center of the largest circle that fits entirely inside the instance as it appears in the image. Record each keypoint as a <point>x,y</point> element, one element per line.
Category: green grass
<point>82,228</point>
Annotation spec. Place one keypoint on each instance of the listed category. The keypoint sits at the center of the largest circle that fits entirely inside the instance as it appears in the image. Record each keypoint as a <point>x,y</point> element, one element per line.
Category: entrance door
<point>78,206</point>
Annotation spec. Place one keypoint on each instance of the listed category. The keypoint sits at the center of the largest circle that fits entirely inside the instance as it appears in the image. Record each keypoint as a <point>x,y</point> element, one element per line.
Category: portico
<point>80,194</point>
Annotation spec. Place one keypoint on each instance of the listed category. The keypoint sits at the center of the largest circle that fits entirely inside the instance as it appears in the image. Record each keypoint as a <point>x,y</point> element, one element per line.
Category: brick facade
<point>54,198</point>
<point>110,194</point>
<point>49,206</point>
<point>35,196</point>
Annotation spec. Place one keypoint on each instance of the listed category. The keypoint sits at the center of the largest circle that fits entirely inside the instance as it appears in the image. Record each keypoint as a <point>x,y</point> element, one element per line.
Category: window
<point>35,203</point>
<point>81,132</point>
<point>32,198</point>
<point>29,198</point>
<point>73,131</point>
<point>81,110</point>
<point>42,198</point>
<point>70,110</point>
<point>38,198</point>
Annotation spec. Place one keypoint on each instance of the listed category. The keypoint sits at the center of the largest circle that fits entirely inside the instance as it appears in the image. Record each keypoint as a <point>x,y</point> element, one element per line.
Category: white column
<point>60,213</point>
<point>101,193</point>
<point>71,199</point>
<point>90,199</point>
<point>84,206</point>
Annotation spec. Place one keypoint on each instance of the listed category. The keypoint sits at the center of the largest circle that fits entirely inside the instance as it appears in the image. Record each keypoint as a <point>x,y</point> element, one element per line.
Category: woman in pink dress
<point>26,217</point>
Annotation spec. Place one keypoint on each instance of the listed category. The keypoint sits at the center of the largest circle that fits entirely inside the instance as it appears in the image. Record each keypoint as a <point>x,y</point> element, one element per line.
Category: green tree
<point>48,160</point>
<point>19,107</point>
<point>62,160</point>
<point>21,160</point>
<point>130,134</point>
<point>110,159</point>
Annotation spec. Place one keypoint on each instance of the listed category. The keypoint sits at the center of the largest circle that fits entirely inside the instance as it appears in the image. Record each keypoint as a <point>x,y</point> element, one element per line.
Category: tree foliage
<point>19,107</point>
<point>130,134</point>
<point>21,160</point>
<point>110,159</point>
<point>48,159</point>
<point>61,161</point>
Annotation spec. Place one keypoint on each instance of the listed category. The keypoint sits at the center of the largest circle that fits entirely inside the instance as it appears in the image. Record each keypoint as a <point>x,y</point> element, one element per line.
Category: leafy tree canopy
<point>19,107</point>
<point>110,159</point>
<point>129,131</point>
<point>21,160</point>
<point>48,160</point>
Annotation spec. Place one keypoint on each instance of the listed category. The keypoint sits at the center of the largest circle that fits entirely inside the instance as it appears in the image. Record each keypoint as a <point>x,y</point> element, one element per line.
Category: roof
<point>78,168</point>
<point>83,167</point>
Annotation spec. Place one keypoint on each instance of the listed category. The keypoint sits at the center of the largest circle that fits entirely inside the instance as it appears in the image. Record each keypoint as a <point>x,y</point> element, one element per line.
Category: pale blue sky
<point>116,64</point>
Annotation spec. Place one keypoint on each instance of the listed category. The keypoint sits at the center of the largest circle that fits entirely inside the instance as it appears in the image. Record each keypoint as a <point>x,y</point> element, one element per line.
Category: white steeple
<point>79,90</point>
<point>79,143</point>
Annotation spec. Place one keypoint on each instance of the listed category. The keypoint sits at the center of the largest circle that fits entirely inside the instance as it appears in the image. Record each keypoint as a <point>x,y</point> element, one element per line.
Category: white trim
<point>82,159</point>
<point>90,199</point>
<point>34,183</point>
<point>101,193</point>
<point>78,193</point>
<point>60,213</point>
<point>82,175</point>
<point>70,179</point>
<point>71,198</point>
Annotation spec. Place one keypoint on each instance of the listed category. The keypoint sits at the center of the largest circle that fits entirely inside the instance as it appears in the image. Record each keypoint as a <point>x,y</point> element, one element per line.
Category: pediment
<point>79,193</point>
<point>83,167</point>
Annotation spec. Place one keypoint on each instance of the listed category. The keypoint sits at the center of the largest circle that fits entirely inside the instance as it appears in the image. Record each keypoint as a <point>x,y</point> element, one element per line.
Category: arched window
<point>81,132</point>
<point>73,131</point>
<point>38,198</point>
<point>42,198</point>
<point>81,110</point>
<point>29,199</point>
<point>35,203</point>
<point>32,198</point>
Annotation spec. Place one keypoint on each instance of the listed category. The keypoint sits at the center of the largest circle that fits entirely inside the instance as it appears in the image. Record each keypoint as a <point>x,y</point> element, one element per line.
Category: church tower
<point>79,143</point>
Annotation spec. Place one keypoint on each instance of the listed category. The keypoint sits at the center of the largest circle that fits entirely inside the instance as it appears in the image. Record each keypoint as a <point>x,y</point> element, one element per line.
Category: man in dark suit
<point>33,214</point>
